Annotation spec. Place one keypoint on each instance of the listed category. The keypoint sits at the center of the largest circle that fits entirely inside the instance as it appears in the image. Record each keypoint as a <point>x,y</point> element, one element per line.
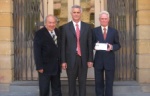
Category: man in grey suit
<point>76,51</point>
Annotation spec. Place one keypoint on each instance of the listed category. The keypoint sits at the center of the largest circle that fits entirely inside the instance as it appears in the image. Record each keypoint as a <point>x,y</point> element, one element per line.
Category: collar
<point>52,32</point>
<point>104,27</point>
<point>79,24</point>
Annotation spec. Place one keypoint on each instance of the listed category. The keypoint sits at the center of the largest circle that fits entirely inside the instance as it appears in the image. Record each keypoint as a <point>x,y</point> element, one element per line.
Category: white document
<point>101,46</point>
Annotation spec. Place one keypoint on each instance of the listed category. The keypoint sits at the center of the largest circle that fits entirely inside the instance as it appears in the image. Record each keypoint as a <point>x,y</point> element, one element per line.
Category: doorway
<point>29,15</point>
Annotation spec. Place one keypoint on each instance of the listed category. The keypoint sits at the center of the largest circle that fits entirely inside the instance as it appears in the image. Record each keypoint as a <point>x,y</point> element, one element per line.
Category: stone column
<point>6,43</point>
<point>143,41</point>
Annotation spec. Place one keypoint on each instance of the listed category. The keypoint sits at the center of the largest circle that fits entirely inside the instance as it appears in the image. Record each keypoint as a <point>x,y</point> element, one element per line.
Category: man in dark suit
<point>104,60</point>
<point>76,51</point>
<point>47,57</point>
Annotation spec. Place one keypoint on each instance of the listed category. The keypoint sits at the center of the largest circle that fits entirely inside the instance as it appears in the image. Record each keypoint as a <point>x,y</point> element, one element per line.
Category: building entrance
<point>29,15</point>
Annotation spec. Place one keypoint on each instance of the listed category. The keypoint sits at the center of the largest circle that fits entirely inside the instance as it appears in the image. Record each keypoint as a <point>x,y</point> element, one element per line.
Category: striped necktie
<point>54,37</point>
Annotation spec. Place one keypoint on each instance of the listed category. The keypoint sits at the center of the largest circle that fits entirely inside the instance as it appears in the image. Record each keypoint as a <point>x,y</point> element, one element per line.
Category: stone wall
<point>143,41</point>
<point>6,42</point>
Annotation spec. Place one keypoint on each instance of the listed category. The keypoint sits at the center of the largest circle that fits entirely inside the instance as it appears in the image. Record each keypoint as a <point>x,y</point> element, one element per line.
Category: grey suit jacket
<point>69,44</point>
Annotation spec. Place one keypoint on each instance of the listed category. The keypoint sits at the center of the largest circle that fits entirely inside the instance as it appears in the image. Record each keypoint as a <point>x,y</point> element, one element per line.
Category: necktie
<point>104,34</point>
<point>78,40</point>
<point>54,37</point>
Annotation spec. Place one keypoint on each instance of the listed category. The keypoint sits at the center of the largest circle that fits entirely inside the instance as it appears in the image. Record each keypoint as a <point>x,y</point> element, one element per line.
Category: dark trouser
<point>44,84</point>
<point>101,87</point>
<point>77,72</point>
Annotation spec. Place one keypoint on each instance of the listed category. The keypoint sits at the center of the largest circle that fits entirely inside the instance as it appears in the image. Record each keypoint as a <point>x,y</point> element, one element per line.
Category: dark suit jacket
<point>105,59</point>
<point>69,44</point>
<point>46,52</point>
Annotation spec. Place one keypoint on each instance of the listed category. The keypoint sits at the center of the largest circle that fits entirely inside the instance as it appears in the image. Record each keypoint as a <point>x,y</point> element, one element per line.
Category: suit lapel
<point>46,32</point>
<point>72,29</point>
<point>100,34</point>
<point>108,33</point>
<point>82,29</point>
<point>56,32</point>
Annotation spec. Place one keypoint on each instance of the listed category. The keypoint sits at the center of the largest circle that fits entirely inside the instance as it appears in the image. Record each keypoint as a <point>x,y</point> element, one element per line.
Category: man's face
<point>76,14</point>
<point>104,20</point>
<point>50,23</point>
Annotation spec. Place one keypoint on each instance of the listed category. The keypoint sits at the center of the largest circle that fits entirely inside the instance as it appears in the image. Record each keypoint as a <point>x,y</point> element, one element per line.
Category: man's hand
<point>90,64</point>
<point>110,47</point>
<point>40,71</point>
<point>64,66</point>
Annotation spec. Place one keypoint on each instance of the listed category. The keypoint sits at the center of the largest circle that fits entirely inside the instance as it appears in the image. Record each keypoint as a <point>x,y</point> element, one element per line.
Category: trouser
<point>44,84</point>
<point>78,71</point>
<point>104,88</point>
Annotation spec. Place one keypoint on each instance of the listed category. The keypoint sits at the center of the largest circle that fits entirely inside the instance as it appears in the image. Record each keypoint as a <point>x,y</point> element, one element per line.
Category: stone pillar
<point>6,43</point>
<point>143,41</point>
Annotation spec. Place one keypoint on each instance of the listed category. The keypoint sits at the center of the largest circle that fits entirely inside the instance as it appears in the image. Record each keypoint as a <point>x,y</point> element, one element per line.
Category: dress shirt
<point>103,29</point>
<point>79,24</point>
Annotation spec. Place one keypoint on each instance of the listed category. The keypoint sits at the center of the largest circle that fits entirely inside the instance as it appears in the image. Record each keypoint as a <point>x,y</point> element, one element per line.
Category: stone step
<point>4,87</point>
<point>30,88</point>
<point>122,87</point>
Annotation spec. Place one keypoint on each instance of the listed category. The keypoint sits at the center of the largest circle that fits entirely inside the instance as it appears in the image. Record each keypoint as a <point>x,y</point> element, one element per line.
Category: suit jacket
<point>46,52</point>
<point>69,44</point>
<point>105,59</point>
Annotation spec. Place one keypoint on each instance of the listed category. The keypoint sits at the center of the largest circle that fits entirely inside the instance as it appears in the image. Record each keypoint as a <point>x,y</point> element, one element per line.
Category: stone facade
<point>142,36</point>
<point>6,42</point>
<point>143,41</point>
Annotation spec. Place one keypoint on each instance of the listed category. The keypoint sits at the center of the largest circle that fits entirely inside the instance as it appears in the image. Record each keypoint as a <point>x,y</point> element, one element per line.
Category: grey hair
<point>76,6</point>
<point>104,12</point>
<point>50,15</point>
